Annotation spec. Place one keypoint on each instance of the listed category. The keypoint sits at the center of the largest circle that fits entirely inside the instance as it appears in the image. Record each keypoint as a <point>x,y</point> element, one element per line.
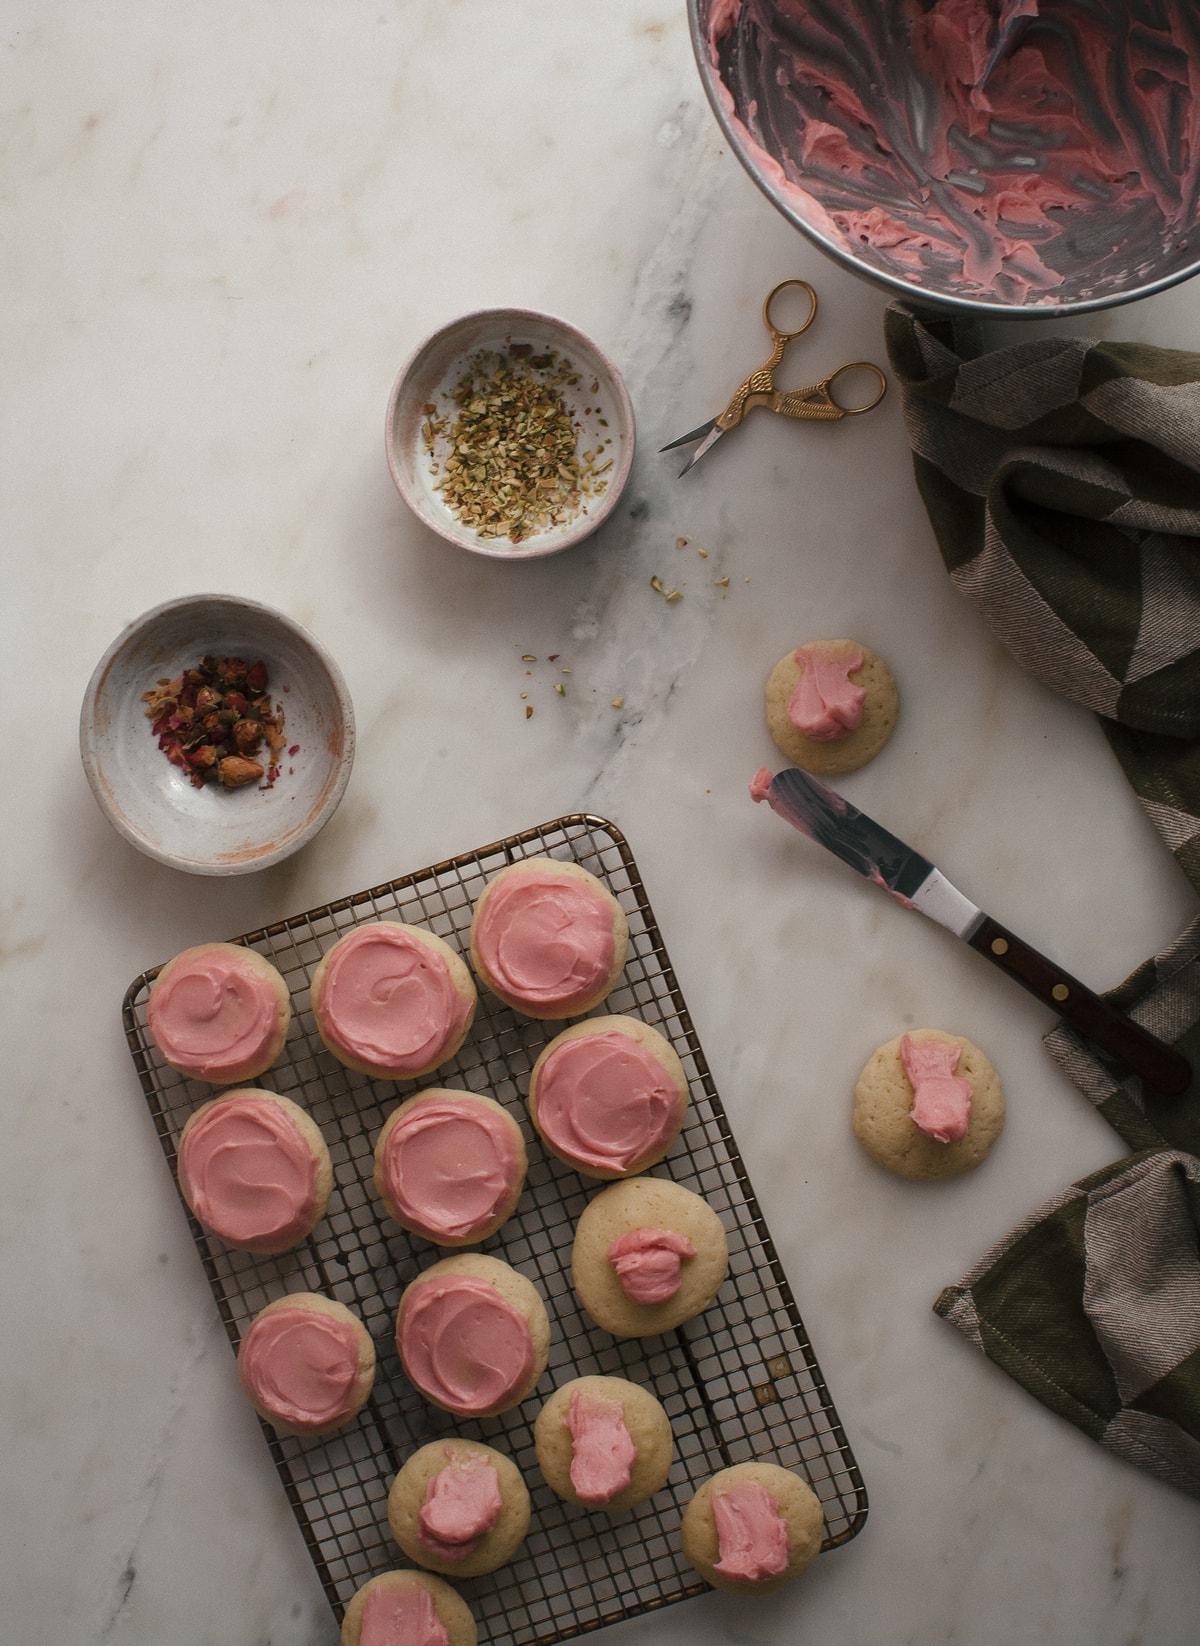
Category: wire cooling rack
<point>738,1382</point>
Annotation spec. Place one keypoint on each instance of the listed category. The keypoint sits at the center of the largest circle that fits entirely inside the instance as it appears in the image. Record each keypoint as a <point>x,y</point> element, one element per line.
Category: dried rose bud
<point>235,701</point>
<point>203,757</point>
<point>247,735</point>
<point>206,698</point>
<point>235,771</point>
<point>256,679</point>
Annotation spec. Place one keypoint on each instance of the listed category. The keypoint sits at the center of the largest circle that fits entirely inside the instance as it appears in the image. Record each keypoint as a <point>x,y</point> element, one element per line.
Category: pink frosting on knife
<point>752,1537</point>
<point>546,939</point>
<point>388,999</point>
<point>826,705</point>
<point>760,784</point>
<point>248,1174</point>
<point>648,1263</point>
<point>300,1366</point>
<point>462,1504</point>
<point>214,1014</point>
<point>463,1344</point>
<point>401,1617</point>
<point>604,1101</point>
<point>602,1449</point>
<point>449,1165</point>
<point>941,1099</point>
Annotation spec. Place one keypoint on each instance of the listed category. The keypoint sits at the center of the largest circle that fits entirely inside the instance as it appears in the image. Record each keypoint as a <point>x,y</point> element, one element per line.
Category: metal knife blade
<point>876,853</point>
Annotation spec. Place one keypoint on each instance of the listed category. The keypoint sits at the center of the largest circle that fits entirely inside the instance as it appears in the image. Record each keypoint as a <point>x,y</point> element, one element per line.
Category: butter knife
<point>867,847</point>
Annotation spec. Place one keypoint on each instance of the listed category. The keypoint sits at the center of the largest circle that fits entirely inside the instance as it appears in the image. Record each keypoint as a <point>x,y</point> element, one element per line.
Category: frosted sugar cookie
<point>548,938</point>
<point>307,1364</point>
<point>392,1001</point>
<point>459,1508</point>
<point>254,1170</point>
<point>219,1012</point>
<point>752,1528</point>
<point>407,1606</point>
<point>648,1254</point>
<point>604,1443</point>
<point>473,1335</point>
<point>831,706</point>
<point>928,1105</point>
<point>608,1096</point>
<point>449,1165</point>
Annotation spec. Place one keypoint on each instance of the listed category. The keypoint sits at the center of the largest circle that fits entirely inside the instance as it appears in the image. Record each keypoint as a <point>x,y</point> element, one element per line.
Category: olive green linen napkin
<point>1062,480</point>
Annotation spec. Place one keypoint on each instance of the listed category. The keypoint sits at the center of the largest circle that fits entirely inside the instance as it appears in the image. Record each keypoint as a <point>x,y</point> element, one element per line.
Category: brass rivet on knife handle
<point>1164,1070</point>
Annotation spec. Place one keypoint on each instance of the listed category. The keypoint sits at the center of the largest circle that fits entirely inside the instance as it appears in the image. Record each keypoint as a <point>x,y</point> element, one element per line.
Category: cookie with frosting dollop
<point>831,706</point>
<point>928,1105</point>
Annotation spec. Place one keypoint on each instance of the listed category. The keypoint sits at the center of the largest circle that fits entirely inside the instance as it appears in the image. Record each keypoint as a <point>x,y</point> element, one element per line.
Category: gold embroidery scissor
<point>816,401</point>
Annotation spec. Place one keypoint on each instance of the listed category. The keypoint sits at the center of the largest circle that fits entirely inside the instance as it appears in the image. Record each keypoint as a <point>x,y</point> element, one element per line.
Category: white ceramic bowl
<point>154,804</point>
<point>429,378</point>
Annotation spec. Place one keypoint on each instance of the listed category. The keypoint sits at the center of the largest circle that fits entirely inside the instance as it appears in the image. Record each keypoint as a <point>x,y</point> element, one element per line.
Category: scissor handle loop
<point>854,365</point>
<point>783,337</point>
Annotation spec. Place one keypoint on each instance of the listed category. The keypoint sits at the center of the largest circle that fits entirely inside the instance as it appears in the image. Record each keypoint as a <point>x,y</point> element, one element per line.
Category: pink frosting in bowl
<point>544,939</point>
<point>248,1174</point>
<point>301,1367</point>
<point>449,1166</point>
<point>604,1102</point>
<point>215,1014</point>
<point>386,998</point>
<point>464,1345</point>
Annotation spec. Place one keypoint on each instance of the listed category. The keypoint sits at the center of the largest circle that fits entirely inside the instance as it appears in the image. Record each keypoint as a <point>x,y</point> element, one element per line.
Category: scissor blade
<point>709,441</point>
<point>686,439</point>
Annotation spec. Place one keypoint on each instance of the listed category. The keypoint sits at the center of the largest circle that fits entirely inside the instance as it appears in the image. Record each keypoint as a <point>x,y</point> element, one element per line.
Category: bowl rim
<point>903,288</point>
<point>622,469</point>
<point>89,745</point>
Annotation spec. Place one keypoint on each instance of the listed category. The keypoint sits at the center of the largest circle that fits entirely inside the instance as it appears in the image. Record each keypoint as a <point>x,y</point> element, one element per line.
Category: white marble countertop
<point>224,228</point>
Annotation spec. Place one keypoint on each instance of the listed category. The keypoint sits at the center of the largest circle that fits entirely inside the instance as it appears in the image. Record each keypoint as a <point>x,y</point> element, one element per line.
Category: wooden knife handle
<point>1162,1068</point>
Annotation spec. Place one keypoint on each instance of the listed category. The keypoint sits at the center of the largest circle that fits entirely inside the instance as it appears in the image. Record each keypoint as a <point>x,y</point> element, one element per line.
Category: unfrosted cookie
<point>403,1606</point>
<point>624,1258</point>
<point>393,1001</point>
<point>827,719</point>
<point>254,1170</point>
<point>608,1096</point>
<point>548,938</point>
<point>307,1364</point>
<point>752,1528</point>
<point>459,1508</point>
<point>219,1012</point>
<point>449,1165</point>
<point>604,1443</point>
<point>884,1100</point>
<point>473,1335</point>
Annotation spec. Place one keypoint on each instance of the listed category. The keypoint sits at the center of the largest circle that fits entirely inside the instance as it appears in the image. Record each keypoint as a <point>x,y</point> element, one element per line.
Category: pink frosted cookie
<point>831,706</point>
<point>459,1508</point>
<point>450,1165</point>
<point>407,1609</point>
<point>928,1105</point>
<point>392,1001</point>
<point>219,1013</point>
<point>254,1170</point>
<point>608,1096</point>
<point>604,1443</point>
<point>473,1335</point>
<point>752,1528</point>
<point>307,1364</point>
<point>548,938</point>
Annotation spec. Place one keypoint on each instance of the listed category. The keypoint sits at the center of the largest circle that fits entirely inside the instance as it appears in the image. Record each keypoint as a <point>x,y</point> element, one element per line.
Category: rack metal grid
<point>738,1382</point>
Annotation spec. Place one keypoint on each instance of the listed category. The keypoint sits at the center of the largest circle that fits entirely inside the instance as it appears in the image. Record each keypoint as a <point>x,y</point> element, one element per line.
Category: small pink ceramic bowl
<point>602,415</point>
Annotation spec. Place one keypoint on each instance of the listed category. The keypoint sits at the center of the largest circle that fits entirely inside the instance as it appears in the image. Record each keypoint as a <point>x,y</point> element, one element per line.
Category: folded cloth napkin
<point>1062,480</point>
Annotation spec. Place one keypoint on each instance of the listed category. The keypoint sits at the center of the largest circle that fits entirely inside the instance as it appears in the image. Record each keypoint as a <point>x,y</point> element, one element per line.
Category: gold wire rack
<point>738,1382</point>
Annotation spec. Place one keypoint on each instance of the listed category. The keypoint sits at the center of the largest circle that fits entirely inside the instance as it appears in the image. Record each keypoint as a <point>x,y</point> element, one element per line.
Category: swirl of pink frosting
<point>463,1344</point>
<point>248,1174</point>
<point>401,1617</point>
<point>648,1263</point>
<point>602,1449</point>
<point>604,1101</point>
<point>546,939</point>
<point>214,1014</point>
<point>300,1366</point>
<point>388,999</point>
<point>449,1165</point>
<point>941,1099</point>
<point>752,1537</point>
<point>462,1504</point>
<point>825,705</point>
